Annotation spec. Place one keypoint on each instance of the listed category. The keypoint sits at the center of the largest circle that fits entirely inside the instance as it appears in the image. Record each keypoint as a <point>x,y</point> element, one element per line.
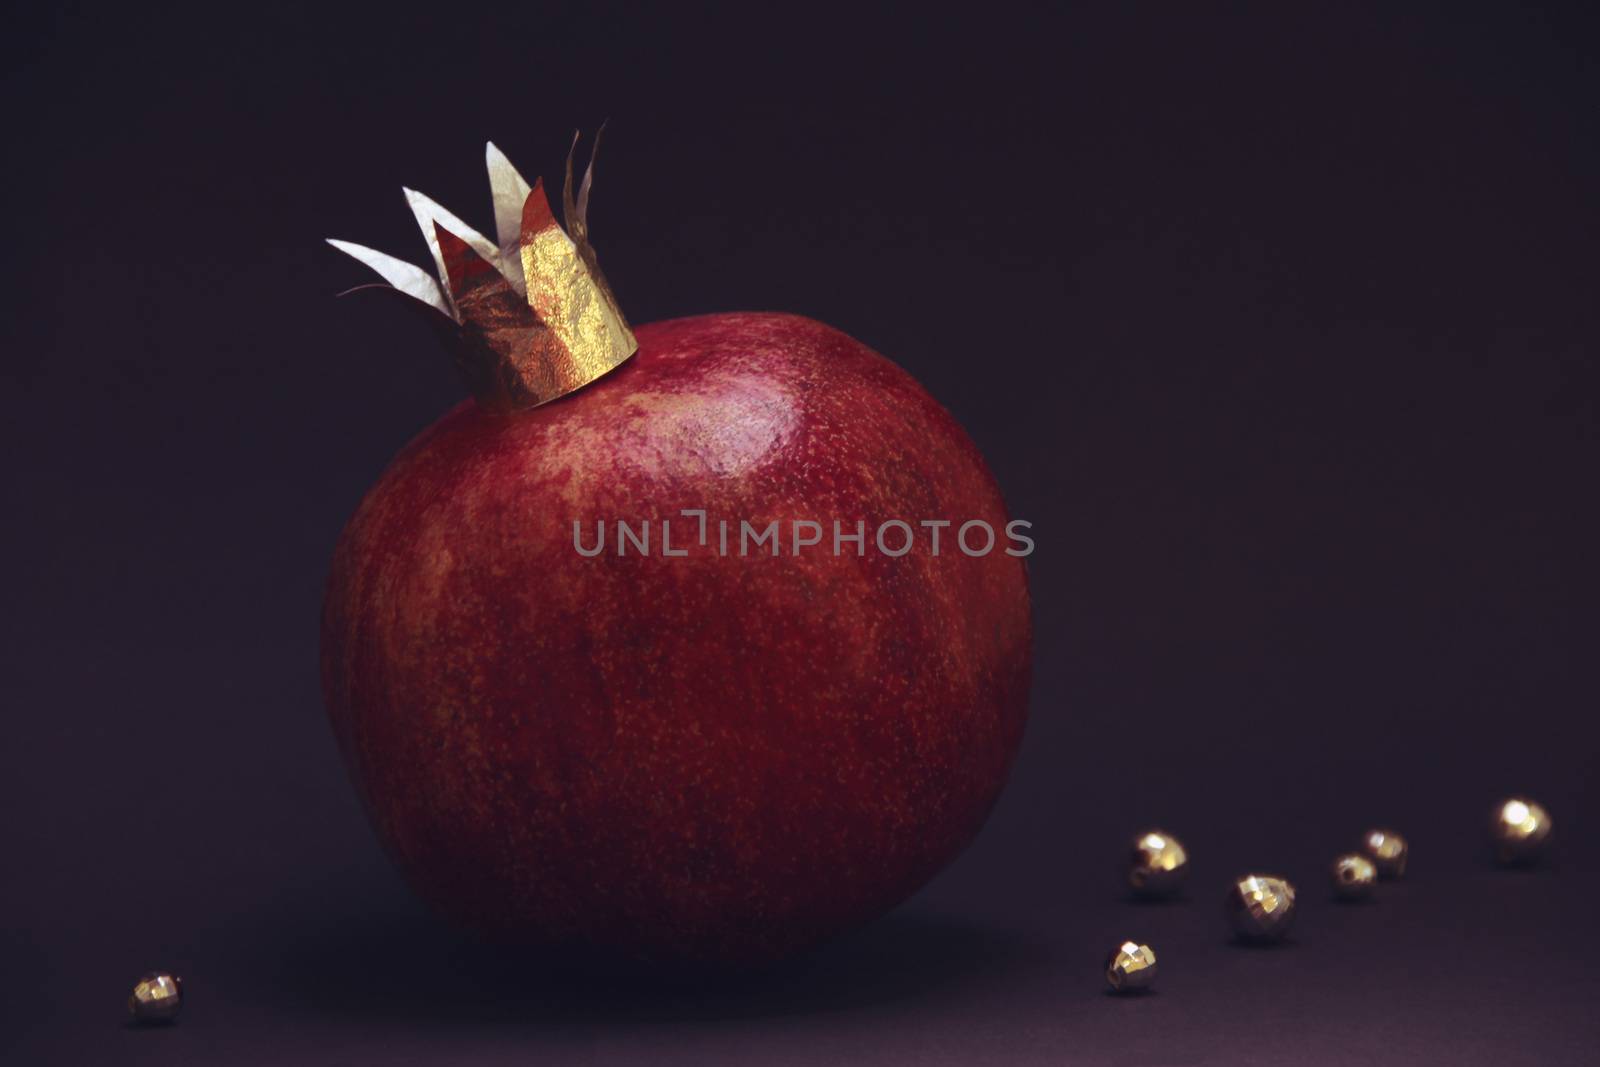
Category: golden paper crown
<point>529,319</point>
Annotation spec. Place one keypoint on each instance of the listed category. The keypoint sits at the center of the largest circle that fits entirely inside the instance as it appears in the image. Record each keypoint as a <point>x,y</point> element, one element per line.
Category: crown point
<point>401,276</point>
<point>536,214</point>
<point>509,189</point>
<point>464,268</point>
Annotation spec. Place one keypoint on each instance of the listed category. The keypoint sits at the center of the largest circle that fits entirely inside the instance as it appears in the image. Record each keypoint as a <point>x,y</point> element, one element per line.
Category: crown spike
<point>536,215</point>
<point>569,210</point>
<point>575,211</point>
<point>428,212</point>
<point>588,182</point>
<point>510,190</point>
<point>403,276</point>
<point>465,268</point>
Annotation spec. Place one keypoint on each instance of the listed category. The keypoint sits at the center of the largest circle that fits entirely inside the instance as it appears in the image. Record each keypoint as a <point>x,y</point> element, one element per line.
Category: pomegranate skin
<point>706,757</point>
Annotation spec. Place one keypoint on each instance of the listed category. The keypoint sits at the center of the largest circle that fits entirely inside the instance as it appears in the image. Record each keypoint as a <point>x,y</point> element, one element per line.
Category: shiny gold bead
<point>1131,967</point>
<point>1261,907</point>
<point>1388,852</point>
<point>1519,828</point>
<point>1158,865</point>
<point>1354,876</point>
<point>157,998</point>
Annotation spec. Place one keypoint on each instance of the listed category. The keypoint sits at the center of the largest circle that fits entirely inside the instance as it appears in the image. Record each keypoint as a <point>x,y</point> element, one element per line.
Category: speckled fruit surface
<point>703,757</point>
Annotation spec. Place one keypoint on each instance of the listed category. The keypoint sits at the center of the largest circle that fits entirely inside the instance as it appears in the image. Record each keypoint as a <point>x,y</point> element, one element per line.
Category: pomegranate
<point>686,643</point>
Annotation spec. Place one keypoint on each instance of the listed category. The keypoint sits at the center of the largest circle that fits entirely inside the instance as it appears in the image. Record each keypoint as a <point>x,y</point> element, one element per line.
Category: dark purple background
<point>1279,325</point>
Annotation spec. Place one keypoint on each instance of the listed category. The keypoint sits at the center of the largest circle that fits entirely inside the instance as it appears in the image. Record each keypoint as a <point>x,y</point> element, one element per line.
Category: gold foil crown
<point>528,319</point>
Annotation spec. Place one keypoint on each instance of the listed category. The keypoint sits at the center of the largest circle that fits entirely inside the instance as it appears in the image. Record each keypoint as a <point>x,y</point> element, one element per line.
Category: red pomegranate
<point>604,668</point>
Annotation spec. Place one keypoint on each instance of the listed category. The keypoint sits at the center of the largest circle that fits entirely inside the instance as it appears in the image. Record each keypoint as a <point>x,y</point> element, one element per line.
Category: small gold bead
<point>1261,907</point>
<point>157,998</point>
<point>1158,864</point>
<point>1388,852</point>
<point>1519,829</point>
<point>1131,967</point>
<point>1354,876</point>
